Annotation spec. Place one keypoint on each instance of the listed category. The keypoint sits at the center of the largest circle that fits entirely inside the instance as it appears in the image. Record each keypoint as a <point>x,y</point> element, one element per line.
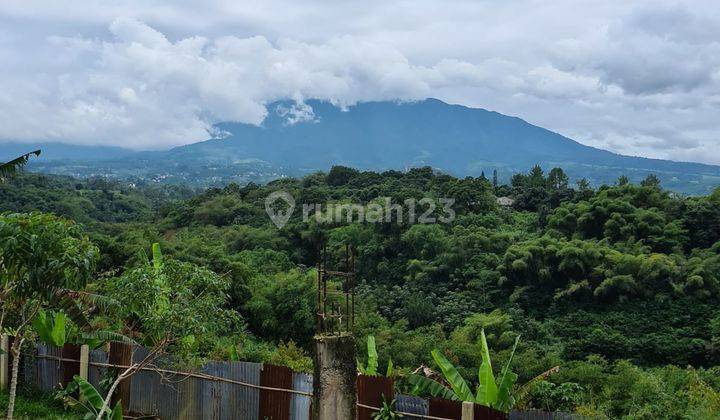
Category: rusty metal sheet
<point>445,408</point>
<point>482,412</point>
<point>275,405</point>
<point>70,369</point>
<point>372,391</point>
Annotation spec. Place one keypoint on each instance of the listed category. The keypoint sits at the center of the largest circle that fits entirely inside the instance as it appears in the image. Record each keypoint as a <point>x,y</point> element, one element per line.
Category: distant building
<point>505,201</point>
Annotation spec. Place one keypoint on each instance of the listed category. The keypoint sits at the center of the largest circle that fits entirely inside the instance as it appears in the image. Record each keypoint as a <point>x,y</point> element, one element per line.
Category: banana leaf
<point>457,383</point>
<point>117,413</point>
<point>504,400</point>
<point>426,386</point>
<point>372,363</point>
<point>105,336</point>
<point>89,393</point>
<point>50,329</point>
<point>487,388</point>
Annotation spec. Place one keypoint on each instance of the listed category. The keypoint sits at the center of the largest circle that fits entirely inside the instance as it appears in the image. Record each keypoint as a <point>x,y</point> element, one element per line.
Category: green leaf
<point>372,357</point>
<point>389,372</point>
<point>457,383</point>
<point>40,326</point>
<point>105,336</point>
<point>57,333</point>
<point>234,356</point>
<point>360,367</point>
<point>50,330</point>
<point>487,388</point>
<point>89,393</point>
<point>68,304</point>
<point>157,257</point>
<point>117,413</point>
<point>505,401</point>
<point>426,386</point>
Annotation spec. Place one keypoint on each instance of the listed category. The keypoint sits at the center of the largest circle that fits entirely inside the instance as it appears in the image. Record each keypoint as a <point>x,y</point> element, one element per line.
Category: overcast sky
<point>640,78</point>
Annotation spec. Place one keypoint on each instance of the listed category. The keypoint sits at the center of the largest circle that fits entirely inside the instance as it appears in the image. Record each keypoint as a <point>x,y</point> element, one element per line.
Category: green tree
<point>44,260</point>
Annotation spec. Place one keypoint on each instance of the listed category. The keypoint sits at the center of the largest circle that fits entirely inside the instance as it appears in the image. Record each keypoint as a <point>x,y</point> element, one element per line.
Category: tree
<point>341,175</point>
<point>170,305</point>
<point>651,181</point>
<point>44,260</point>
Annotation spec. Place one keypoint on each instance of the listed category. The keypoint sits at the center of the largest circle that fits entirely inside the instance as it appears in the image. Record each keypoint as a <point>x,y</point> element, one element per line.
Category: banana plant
<point>50,328</point>
<point>490,392</point>
<point>372,363</point>
<point>90,400</point>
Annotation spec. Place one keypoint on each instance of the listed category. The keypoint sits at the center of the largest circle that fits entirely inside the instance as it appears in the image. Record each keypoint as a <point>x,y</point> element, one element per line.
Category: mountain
<point>452,138</point>
<point>379,135</point>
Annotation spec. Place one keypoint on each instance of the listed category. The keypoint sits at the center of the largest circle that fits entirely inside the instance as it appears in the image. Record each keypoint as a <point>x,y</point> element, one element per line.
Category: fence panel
<point>300,405</point>
<point>70,369</point>
<point>49,372</point>
<point>372,391</point>
<point>542,415</point>
<point>96,373</point>
<point>445,408</point>
<point>411,404</point>
<point>486,413</point>
<point>275,405</point>
<point>144,389</point>
<point>235,402</point>
<point>179,396</point>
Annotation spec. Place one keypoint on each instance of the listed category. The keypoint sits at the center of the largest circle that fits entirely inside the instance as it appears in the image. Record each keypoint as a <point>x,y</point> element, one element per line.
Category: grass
<point>37,405</point>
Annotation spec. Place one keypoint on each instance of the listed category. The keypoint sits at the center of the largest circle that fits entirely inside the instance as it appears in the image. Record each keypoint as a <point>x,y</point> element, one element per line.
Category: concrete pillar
<point>4,360</point>
<point>334,384</point>
<point>468,410</point>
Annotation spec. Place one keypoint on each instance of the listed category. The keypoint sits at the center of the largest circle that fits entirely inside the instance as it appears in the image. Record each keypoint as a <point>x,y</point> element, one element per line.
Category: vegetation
<point>372,361</point>
<point>618,286</point>
<point>490,393</point>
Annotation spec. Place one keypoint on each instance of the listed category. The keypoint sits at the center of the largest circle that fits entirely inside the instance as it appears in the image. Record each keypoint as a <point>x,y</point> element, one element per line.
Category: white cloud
<point>637,78</point>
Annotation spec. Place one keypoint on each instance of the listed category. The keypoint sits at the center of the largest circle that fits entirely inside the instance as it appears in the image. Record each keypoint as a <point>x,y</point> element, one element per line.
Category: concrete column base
<point>334,385</point>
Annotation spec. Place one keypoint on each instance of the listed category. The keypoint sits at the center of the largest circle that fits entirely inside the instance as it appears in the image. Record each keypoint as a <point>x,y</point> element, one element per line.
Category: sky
<point>639,78</point>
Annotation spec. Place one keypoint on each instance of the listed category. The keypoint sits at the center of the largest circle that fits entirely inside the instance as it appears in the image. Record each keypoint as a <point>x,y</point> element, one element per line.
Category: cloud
<point>637,78</point>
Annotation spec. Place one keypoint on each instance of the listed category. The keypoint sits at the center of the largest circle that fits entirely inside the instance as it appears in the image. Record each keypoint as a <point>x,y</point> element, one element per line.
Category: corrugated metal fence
<point>213,392</point>
<point>236,390</point>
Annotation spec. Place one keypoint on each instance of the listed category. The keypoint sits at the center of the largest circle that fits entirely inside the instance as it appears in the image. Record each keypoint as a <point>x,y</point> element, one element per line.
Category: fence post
<point>334,382</point>
<point>84,361</point>
<point>4,353</point>
<point>468,410</point>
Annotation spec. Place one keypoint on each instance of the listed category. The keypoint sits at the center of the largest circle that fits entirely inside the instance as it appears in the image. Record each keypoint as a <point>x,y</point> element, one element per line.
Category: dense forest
<point>618,286</point>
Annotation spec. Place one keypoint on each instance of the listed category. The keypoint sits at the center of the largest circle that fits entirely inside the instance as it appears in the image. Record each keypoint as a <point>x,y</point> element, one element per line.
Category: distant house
<point>505,201</point>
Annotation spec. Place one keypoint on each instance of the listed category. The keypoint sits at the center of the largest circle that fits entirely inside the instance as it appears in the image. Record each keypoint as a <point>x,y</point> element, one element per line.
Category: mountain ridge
<point>296,139</point>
